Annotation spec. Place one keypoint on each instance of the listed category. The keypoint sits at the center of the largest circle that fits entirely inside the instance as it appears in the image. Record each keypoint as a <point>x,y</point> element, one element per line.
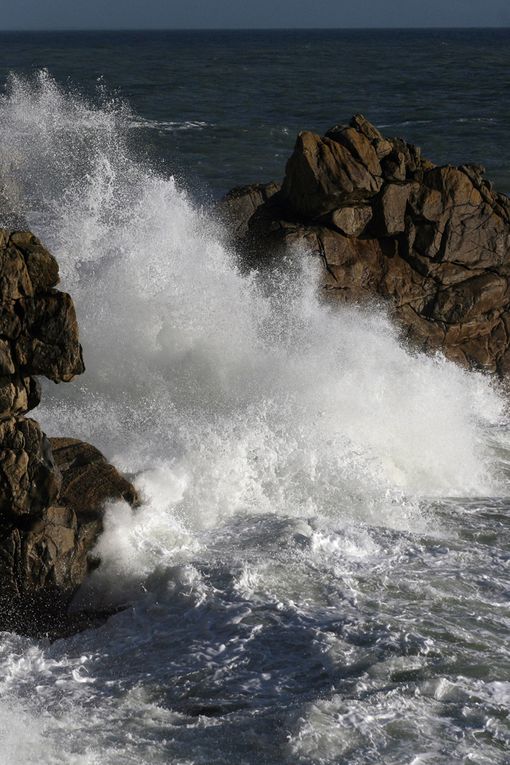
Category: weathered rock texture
<point>387,223</point>
<point>52,493</point>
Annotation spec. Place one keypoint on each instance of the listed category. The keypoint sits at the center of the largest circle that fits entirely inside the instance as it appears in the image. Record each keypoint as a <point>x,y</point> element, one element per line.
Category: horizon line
<point>256,29</point>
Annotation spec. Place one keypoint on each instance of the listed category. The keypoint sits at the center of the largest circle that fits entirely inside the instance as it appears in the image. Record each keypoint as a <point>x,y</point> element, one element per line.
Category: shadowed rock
<point>88,480</point>
<point>387,223</point>
<point>44,560</point>
<point>52,492</point>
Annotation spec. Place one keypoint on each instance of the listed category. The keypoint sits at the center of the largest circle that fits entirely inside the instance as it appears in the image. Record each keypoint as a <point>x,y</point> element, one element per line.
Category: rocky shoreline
<point>52,491</point>
<point>432,242</point>
<point>385,224</point>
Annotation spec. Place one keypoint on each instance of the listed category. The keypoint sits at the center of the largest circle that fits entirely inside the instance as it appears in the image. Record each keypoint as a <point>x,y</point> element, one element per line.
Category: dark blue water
<point>224,107</point>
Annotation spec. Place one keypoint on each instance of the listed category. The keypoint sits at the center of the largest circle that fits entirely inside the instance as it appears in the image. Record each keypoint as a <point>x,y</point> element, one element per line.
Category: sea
<point>319,572</point>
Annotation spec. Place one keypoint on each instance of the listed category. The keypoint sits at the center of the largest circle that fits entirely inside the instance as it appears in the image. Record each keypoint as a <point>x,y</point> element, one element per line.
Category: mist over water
<point>302,584</point>
<point>177,341</point>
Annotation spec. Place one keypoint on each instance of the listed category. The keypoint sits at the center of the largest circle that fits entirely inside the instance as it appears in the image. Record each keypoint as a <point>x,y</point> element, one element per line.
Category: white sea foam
<point>247,400</point>
<point>167,126</point>
<point>174,336</point>
<point>234,401</point>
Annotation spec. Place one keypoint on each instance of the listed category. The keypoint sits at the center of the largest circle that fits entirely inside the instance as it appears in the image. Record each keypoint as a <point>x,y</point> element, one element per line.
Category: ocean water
<point>320,570</point>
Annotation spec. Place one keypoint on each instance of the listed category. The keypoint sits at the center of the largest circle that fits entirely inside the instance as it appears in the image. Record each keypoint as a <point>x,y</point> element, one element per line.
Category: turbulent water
<point>319,572</point>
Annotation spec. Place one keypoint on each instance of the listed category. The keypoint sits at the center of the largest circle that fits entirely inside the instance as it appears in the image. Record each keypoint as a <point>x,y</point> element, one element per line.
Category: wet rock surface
<point>52,491</point>
<point>434,242</point>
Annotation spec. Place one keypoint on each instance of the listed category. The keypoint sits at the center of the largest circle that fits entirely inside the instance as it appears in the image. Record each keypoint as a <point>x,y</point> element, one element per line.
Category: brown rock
<point>392,206</point>
<point>18,395</point>
<point>394,166</point>
<point>359,145</point>
<point>48,343</point>
<point>43,562</point>
<point>323,174</point>
<point>38,328</point>
<point>50,509</point>
<point>28,480</point>
<point>351,221</point>
<point>88,480</point>
<point>41,265</point>
<point>363,126</point>
<point>239,205</point>
<point>437,247</point>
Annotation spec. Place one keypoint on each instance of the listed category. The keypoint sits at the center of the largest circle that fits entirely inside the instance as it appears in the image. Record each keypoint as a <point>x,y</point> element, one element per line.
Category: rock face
<point>387,223</point>
<point>52,493</point>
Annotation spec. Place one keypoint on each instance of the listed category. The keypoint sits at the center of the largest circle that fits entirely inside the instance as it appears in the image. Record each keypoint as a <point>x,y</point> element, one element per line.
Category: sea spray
<point>180,348</point>
<point>287,553</point>
<point>252,400</point>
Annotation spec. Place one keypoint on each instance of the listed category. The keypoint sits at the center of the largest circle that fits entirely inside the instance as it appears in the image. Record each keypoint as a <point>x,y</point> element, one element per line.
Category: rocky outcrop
<point>52,493</point>
<point>434,242</point>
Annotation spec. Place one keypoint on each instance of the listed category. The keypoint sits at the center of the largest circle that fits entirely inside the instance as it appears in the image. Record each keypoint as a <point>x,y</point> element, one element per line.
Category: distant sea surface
<point>223,108</point>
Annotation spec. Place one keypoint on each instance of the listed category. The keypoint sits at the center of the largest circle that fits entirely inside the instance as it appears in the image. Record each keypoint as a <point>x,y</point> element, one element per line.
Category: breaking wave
<point>284,448</point>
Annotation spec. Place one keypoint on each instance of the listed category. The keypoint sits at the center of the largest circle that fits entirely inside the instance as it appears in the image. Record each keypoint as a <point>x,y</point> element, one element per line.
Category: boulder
<point>244,202</point>
<point>52,491</point>
<point>28,480</point>
<point>88,480</point>
<point>386,223</point>
<point>44,561</point>
<point>391,208</point>
<point>324,174</point>
<point>352,221</point>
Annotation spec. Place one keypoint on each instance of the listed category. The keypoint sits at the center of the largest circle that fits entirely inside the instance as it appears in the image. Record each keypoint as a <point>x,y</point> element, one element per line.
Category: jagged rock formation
<point>51,493</point>
<point>387,223</point>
